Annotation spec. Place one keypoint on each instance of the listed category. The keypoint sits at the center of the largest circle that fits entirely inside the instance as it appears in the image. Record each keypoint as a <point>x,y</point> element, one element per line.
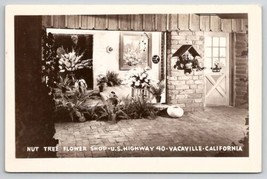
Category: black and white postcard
<point>133,88</point>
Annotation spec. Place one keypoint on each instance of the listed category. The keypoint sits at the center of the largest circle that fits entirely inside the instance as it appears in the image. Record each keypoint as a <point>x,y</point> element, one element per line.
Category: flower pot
<point>101,88</point>
<point>175,111</point>
<point>158,99</point>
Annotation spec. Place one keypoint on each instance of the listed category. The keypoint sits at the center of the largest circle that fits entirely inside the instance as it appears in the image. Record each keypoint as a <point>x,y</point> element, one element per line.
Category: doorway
<point>217,73</point>
<point>82,44</point>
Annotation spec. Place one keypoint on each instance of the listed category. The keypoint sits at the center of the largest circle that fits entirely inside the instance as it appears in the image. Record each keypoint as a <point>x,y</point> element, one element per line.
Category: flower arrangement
<point>71,61</point>
<point>218,66</point>
<point>139,78</point>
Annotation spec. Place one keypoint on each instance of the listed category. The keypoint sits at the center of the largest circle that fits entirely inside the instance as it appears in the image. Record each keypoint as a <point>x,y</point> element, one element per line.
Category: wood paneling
<point>226,25</point>
<point>161,18</point>
<point>204,23</point>
<point>236,25</point>
<point>125,22</point>
<point>72,21</point>
<point>194,22</point>
<point>138,22</point>
<point>100,22</point>
<point>183,22</point>
<point>173,22</point>
<point>147,22</point>
<point>112,22</point>
<point>46,21</point>
<point>84,22</point>
<point>90,22</point>
<point>215,24</point>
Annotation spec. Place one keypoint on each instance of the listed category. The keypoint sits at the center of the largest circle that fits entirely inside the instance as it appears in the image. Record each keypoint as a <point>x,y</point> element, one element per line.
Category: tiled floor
<point>160,137</point>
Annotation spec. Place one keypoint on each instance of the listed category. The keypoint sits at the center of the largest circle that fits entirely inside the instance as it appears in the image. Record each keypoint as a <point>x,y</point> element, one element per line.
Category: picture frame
<point>135,50</point>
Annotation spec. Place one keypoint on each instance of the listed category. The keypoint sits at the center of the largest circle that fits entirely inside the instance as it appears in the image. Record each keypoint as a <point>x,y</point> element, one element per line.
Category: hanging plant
<point>187,63</point>
<point>187,59</point>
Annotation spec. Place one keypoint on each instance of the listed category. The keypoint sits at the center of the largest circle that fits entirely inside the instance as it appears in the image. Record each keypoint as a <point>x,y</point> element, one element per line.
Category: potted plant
<point>101,81</point>
<point>157,90</point>
<point>113,79</point>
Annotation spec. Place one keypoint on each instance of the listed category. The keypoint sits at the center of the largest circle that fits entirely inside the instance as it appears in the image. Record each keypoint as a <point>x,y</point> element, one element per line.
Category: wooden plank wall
<point>147,22</point>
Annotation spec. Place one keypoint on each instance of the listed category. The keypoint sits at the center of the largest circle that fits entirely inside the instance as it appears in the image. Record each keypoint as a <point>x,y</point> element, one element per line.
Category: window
<point>215,51</point>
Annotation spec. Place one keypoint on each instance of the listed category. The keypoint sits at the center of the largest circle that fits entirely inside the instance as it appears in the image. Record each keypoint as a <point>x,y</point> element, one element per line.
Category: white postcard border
<point>246,164</point>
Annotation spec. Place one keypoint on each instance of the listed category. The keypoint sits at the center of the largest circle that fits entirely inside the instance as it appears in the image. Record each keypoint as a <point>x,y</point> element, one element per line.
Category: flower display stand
<point>143,92</point>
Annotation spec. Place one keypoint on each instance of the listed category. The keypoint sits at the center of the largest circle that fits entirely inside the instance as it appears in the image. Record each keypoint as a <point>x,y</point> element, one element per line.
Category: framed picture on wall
<point>135,50</point>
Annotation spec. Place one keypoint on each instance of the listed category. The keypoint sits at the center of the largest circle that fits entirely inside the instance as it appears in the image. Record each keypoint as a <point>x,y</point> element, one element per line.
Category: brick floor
<point>216,126</point>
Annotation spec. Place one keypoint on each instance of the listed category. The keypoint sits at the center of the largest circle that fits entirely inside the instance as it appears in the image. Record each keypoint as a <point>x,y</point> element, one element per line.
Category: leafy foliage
<point>66,84</point>
<point>113,79</point>
<point>111,112</point>
<point>137,108</point>
<point>156,89</point>
<point>92,112</point>
<point>49,67</point>
<point>74,103</point>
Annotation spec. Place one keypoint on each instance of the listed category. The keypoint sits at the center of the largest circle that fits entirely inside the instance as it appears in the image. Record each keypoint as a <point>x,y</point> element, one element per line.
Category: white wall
<point>104,61</point>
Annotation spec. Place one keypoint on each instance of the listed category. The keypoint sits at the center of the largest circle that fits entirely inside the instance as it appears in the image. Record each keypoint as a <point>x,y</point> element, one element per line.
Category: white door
<point>216,61</point>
